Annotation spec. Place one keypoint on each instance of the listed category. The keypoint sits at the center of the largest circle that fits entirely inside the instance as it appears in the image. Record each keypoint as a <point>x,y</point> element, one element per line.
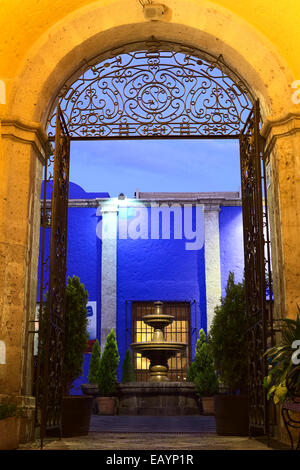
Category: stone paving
<point>149,441</point>
<point>152,424</point>
<point>150,433</point>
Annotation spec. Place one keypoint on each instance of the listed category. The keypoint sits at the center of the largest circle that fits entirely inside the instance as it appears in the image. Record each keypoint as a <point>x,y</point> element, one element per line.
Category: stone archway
<point>207,26</point>
<point>54,57</point>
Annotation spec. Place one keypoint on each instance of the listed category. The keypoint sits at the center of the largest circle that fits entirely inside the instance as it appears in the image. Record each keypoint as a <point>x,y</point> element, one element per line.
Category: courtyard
<point>151,433</point>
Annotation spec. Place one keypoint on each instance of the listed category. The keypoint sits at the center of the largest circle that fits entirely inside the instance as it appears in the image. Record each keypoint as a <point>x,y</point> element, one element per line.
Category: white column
<point>212,260</point>
<point>108,271</point>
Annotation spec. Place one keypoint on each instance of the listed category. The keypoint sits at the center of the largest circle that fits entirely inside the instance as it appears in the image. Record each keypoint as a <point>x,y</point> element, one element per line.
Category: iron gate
<point>258,278</point>
<point>50,384</point>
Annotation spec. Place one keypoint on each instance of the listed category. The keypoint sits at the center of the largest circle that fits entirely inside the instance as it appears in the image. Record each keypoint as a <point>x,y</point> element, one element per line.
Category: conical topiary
<point>128,374</point>
<point>76,335</point>
<point>94,363</point>
<point>202,371</point>
<point>228,337</point>
<point>107,379</point>
<point>195,364</point>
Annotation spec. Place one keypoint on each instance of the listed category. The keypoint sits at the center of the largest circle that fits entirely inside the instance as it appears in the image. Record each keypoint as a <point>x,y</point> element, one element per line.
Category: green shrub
<point>109,362</point>
<point>128,374</point>
<point>228,337</point>
<point>280,360</point>
<point>94,363</point>
<point>7,411</point>
<point>202,371</point>
<point>76,335</point>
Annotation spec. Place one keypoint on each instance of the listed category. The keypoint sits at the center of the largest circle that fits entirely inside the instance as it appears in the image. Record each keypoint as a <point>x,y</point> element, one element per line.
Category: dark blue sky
<point>160,165</point>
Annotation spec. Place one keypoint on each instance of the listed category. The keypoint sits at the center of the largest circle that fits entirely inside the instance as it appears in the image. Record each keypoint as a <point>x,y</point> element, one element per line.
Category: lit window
<point>179,331</point>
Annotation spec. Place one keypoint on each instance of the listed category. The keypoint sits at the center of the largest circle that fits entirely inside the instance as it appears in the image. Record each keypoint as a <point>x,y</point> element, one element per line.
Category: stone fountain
<point>158,396</point>
<point>158,351</point>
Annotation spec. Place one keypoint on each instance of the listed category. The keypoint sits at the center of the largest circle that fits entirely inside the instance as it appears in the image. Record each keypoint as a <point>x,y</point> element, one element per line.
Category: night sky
<point>169,165</point>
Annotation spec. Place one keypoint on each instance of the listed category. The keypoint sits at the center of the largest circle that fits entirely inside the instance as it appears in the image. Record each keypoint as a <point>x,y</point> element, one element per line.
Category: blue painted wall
<point>149,270</point>
<point>84,260</point>
<point>231,244</point>
<point>83,256</point>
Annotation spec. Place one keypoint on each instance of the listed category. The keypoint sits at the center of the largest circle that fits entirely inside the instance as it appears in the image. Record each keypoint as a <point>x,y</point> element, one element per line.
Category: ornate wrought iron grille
<point>257,267</point>
<point>158,90</point>
<point>50,382</point>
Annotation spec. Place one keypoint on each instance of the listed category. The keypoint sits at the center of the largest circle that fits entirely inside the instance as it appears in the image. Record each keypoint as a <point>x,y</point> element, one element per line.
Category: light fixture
<point>152,11</point>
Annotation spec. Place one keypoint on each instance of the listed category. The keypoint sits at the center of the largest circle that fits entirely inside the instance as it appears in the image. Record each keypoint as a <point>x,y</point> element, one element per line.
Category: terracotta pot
<point>90,389</point>
<point>9,433</point>
<point>231,412</point>
<point>208,406</point>
<point>106,405</point>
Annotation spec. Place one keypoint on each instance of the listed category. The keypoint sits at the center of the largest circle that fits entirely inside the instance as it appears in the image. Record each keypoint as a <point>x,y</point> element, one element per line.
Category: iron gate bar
<point>43,287</point>
<point>270,317</point>
<point>252,147</point>
<point>51,342</point>
<point>155,137</point>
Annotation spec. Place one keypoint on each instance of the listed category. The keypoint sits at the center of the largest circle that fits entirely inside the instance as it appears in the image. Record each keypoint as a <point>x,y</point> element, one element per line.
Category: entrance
<point>156,90</point>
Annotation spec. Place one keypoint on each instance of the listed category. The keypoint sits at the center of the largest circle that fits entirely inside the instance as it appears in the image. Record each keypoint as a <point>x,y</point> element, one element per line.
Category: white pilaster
<point>212,260</point>
<point>108,271</point>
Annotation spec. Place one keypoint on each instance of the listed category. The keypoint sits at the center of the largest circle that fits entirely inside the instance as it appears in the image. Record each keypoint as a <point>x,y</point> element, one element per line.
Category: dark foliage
<point>202,371</point>
<point>228,337</point>
<point>128,374</point>
<point>95,363</point>
<point>109,362</point>
<point>76,335</point>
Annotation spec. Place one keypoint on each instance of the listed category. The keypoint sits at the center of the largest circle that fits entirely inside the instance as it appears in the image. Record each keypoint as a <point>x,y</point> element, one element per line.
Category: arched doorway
<point>155,90</point>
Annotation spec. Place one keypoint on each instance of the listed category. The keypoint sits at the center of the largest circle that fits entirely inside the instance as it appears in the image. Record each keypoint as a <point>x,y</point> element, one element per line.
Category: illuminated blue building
<point>174,247</point>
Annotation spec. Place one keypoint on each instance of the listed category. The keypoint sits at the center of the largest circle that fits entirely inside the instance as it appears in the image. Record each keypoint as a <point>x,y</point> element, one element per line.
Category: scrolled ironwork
<point>52,291</point>
<point>158,89</point>
<point>257,267</point>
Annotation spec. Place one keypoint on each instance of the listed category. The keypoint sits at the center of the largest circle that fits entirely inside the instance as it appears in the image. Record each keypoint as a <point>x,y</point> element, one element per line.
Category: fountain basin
<point>167,348</point>
<point>158,321</point>
<point>158,353</point>
<point>157,399</point>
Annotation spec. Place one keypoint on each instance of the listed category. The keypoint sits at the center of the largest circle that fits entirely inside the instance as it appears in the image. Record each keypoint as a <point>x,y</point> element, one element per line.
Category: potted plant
<point>283,362</point>
<point>202,373</point>
<point>228,341</point>
<point>9,427</point>
<point>76,410</point>
<point>128,374</point>
<point>107,379</point>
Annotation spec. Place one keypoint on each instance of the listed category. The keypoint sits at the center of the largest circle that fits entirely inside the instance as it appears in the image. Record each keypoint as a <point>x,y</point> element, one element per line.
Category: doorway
<point>159,90</point>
